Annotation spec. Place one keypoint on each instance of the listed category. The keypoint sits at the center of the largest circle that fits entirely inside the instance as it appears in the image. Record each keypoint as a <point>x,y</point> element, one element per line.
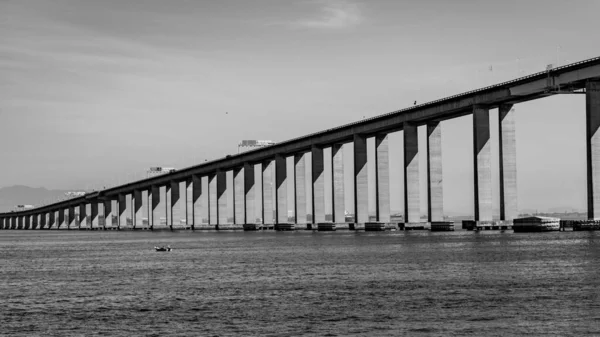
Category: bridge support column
<point>19,222</point>
<point>174,205</point>
<point>198,207</point>
<point>121,211</point>
<point>482,163</point>
<point>435,194</point>
<point>592,113</point>
<point>361,180</point>
<point>138,209</point>
<point>189,203</point>
<point>382,178</point>
<point>412,202</point>
<point>26,222</point>
<point>508,162</point>
<point>157,211</point>
<point>94,223</point>
<point>71,218</point>
<point>281,211</point>
<point>222,211</point>
<point>239,207</point>
<point>83,223</point>
<point>267,193</point>
<point>249,194</point>
<point>300,189</point>
<point>42,220</point>
<point>51,220</point>
<point>61,218</point>
<point>212,200</point>
<point>318,185</point>
<point>108,214</point>
<point>337,173</point>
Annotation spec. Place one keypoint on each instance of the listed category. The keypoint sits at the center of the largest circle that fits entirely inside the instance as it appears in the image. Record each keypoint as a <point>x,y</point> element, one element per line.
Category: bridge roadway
<point>164,200</point>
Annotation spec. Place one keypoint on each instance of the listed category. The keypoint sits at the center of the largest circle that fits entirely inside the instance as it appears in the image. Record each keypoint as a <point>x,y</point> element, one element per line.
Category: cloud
<point>333,14</point>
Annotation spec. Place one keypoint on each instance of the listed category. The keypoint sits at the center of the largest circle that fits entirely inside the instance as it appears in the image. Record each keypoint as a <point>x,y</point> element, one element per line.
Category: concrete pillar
<point>138,209</point>
<point>382,178</point>
<point>199,208</point>
<point>94,223</point>
<point>592,123</point>
<point>19,222</point>
<point>318,185</point>
<point>281,209</point>
<point>221,177</point>
<point>482,163</point>
<point>267,193</point>
<point>239,207</point>
<point>249,194</point>
<point>175,205</point>
<point>159,210</point>
<point>212,200</point>
<point>508,163</point>
<point>51,220</point>
<point>189,202</point>
<point>61,218</point>
<point>300,189</point>
<point>71,217</point>
<point>35,221</point>
<point>26,222</point>
<point>412,203</point>
<point>338,206</point>
<point>108,214</point>
<point>435,192</point>
<point>83,223</point>
<point>121,211</point>
<point>42,220</point>
<point>361,180</point>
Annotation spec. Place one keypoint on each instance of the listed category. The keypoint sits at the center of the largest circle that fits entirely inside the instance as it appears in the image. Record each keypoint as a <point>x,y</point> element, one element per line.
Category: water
<point>73,283</point>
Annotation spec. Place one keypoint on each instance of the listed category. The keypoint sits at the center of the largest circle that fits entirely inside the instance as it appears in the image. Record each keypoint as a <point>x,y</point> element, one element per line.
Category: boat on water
<point>162,249</point>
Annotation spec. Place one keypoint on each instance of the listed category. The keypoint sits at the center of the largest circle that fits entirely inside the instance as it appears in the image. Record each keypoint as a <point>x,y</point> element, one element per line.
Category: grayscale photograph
<point>299,168</point>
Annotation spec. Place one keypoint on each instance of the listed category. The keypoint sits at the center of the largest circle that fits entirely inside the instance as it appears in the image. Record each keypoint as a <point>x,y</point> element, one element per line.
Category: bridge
<point>179,195</point>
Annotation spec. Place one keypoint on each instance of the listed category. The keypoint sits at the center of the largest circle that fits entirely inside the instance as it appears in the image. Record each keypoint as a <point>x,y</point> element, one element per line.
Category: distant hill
<point>24,195</point>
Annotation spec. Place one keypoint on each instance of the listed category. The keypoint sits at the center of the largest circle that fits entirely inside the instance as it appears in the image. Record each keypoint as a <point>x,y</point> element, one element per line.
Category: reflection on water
<point>300,283</point>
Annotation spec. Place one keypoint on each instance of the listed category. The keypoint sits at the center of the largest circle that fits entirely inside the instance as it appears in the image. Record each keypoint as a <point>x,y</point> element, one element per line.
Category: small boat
<point>162,249</point>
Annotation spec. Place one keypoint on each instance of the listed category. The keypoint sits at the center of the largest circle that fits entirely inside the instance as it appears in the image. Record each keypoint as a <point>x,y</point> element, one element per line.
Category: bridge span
<point>178,195</point>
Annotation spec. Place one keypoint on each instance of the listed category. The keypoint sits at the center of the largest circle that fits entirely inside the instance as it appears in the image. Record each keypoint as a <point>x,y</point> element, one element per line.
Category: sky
<point>92,93</point>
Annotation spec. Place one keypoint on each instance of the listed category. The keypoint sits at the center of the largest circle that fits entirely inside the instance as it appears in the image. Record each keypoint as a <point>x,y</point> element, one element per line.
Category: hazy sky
<point>93,92</point>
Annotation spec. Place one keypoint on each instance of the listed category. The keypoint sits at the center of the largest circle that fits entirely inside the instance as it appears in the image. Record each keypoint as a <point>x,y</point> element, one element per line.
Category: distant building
<point>74,194</point>
<point>23,207</point>
<point>159,170</point>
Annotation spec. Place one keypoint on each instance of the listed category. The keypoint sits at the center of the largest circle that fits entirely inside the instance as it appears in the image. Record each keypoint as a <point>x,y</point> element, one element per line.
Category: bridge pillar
<point>19,222</point>
<point>61,218</point>
<point>198,207</point>
<point>71,218</point>
<point>382,178</point>
<point>121,211</point>
<point>174,197</point>
<point>281,211</point>
<point>412,202</point>
<point>268,207</point>
<point>156,200</point>
<point>108,214</point>
<point>361,180</point>
<point>189,203</point>
<point>508,162</point>
<point>212,199</point>
<point>2,223</point>
<point>51,220</point>
<point>482,163</point>
<point>338,206</point>
<point>42,220</point>
<point>249,194</point>
<point>34,221</point>
<point>435,195</point>
<point>15,222</point>
<point>94,215</point>
<point>300,189</point>
<point>222,211</point>
<point>82,217</point>
<point>26,222</point>
<point>239,207</point>
<point>592,113</point>
<point>318,185</point>
<point>138,209</point>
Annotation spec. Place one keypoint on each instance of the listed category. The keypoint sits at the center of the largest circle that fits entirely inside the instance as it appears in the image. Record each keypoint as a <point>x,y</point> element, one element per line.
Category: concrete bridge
<point>178,195</point>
